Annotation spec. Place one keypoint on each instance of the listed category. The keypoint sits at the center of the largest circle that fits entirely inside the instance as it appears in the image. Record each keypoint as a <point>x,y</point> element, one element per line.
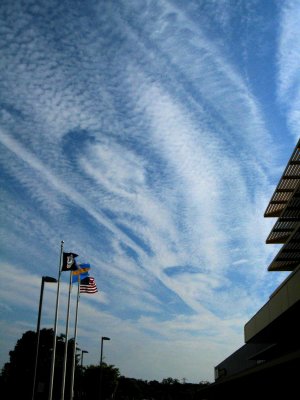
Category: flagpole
<point>66,342</point>
<point>74,348</point>
<point>55,323</point>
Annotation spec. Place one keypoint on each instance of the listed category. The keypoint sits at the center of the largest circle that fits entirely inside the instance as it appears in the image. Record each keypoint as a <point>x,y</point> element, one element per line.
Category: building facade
<point>268,365</point>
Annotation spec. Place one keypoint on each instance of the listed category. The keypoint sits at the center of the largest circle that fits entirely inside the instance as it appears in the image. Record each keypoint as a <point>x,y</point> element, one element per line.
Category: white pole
<point>66,342</point>
<point>55,323</point>
<point>75,337</point>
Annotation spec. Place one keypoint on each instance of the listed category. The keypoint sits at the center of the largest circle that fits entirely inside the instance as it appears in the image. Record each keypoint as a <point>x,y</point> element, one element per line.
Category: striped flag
<point>88,285</point>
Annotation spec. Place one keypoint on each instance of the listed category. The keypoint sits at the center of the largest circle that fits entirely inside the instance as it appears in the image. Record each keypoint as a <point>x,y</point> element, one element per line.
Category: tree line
<point>16,380</point>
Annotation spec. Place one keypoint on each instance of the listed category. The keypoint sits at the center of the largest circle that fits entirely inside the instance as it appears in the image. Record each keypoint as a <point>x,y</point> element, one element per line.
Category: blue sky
<point>149,136</point>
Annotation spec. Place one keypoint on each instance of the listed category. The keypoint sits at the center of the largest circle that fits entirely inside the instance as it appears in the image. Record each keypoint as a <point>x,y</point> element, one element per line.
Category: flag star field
<point>149,136</point>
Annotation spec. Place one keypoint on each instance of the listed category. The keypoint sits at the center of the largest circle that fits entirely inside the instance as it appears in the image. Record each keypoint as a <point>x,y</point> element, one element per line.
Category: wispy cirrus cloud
<point>139,142</point>
<point>288,64</point>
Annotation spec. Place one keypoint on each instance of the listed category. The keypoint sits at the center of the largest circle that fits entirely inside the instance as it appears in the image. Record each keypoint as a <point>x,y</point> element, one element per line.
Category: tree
<point>16,380</point>
<point>18,367</point>
<point>91,381</point>
<point>130,388</point>
<point>17,374</point>
<point>169,381</point>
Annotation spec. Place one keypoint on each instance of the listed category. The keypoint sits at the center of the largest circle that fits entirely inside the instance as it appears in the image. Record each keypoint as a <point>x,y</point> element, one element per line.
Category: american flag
<point>88,285</point>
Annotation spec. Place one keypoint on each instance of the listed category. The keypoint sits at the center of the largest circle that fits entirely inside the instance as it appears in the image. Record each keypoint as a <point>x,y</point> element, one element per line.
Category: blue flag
<point>80,273</point>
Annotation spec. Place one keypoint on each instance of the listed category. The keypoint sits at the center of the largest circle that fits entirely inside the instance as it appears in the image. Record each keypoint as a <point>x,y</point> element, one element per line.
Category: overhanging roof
<point>286,187</point>
<point>288,220</point>
<point>288,257</point>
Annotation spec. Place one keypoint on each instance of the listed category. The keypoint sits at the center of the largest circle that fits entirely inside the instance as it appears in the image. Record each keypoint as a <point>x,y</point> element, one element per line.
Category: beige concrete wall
<point>282,299</point>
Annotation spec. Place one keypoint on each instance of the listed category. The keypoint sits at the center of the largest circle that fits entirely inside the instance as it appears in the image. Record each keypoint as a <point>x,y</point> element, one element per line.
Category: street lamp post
<point>101,353</point>
<point>48,279</point>
<point>82,351</point>
<point>81,374</point>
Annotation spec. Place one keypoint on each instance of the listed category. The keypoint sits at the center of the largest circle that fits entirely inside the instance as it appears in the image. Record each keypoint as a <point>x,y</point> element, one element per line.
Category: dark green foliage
<point>17,374</point>
<point>16,380</point>
<point>168,389</point>
<point>91,381</point>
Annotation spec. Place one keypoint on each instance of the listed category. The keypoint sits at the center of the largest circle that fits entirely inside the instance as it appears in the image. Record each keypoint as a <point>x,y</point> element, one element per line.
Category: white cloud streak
<point>289,64</point>
<point>150,146</point>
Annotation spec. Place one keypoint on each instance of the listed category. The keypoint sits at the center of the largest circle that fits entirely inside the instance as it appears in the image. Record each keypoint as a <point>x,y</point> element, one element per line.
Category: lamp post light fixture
<point>47,279</point>
<point>102,339</point>
<point>101,353</point>
<point>82,352</point>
